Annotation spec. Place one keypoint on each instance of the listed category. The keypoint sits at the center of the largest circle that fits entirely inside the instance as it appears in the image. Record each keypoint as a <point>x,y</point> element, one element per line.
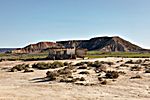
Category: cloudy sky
<point>30,21</point>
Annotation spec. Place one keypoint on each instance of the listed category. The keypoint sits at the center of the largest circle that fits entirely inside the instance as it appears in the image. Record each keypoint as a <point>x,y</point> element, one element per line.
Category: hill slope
<point>107,44</point>
<point>38,47</point>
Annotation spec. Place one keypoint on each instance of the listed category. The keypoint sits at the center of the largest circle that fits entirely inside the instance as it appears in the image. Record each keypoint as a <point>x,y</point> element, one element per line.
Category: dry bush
<point>28,70</point>
<point>100,69</point>
<point>66,64</point>
<point>104,82</point>
<point>136,68</point>
<point>65,71</point>
<point>112,74</point>
<point>52,75</point>
<point>108,63</point>
<point>42,65</point>
<point>124,65</point>
<point>57,64</point>
<point>82,79</point>
<point>19,67</point>
<point>147,69</point>
<point>134,62</point>
<point>136,77</point>
<point>83,66</point>
<point>84,72</point>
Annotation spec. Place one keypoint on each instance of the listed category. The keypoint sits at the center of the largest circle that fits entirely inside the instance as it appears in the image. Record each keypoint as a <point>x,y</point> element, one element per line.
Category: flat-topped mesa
<point>106,44</point>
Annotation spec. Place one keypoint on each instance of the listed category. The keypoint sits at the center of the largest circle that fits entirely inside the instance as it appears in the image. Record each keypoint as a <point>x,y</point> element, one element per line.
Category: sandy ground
<point>25,86</point>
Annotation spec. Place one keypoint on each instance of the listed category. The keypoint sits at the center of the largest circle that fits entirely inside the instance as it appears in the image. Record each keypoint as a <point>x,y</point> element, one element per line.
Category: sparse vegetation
<point>112,74</point>
<point>136,68</point>
<point>43,65</point>
<point>136,77</point>
<point>52,75</point>
<point>19,67</point>
<point>84,72</point>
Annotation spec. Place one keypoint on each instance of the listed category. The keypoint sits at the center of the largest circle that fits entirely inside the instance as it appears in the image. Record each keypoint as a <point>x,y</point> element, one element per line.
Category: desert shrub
<point>112,74</point>
<point>100,69</point>
<point>82,79</point>
<point>147,70</point>
<point>104,82</point>
<point>121,73</point>
<point>67,80</point>
<point>80,63</point>
<point>66,64</point>
<point>136,68</point>
<point>19,67</point>
<point>64,71</point>
<point>52,75</point>
<point>89,63</point>
<point>100,78</point>
<point>146,60</point>
<point>42,65</point>
<point>136,77</point>
<point>28,70</point>
<point>57,64</point>
<point>84,72</point>
<point>95,64</point>
<point>83,66</point>
<point>71,67</point>
<point>124,65</point>
<point>134,62</point>
<point>108,63</point>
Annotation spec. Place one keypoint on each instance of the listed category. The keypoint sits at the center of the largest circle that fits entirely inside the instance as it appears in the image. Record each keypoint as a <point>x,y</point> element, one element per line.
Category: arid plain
<point>132,83</point>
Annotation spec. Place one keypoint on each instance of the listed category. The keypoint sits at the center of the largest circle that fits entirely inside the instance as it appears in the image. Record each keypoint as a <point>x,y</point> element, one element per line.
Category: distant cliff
<point>38,47</point>
<point>107,44</point>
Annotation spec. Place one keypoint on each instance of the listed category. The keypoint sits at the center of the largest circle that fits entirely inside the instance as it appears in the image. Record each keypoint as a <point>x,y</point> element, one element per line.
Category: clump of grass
<point>19,67</point>
<point>82,79</point>
<point>43,66</point>
<point>84,72</point>
<point>80,63</point>
<point>66,64</point>
<point>134,62</point>
<point>104,82</point>
<point>57,64</point>
<point>100,69</point>
<point>64,71</point>
<point>124,65</point>
<point>108,63</point>
<point>83,66</point>
<point>28,70</point>
<point>136,77</point>
<point>147,69</point>
<point>112,74</point>
<point>52,75</point>
<point>136,68</point>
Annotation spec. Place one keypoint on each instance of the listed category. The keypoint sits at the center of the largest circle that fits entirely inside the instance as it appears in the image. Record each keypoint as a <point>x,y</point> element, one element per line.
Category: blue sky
<point>30,21</point>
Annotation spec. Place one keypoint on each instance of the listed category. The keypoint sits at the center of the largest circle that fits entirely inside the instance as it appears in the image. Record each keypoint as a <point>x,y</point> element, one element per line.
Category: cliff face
<point>107,44</point>
<point>32,48</point>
